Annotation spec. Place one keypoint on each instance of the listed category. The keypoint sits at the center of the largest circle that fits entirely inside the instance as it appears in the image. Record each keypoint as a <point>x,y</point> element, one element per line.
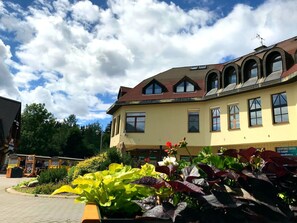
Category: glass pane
<point>283,99</point>
<point>258,104</point>
<point>130,127</point>
<point>158,89</point>
<point>180,87</point>
<point>277,111</point>
<point>259,121</point>
<point>149,89</point>
<point>284,110</point>
<point>253,71</point>
<point>140,127</point>
<point>189,87</point>
<point>277,119</point>
<point>253,115</point>
<point>277,64</point>
<point>140,119</point>
<point>259,114</point>
<point>133,114</point>
<point>251,103</point>
<point>253,122</point>
<point>285,118</point>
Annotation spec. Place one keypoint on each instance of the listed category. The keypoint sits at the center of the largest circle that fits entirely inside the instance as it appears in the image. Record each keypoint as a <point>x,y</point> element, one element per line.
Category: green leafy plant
<point>112,189</point>
<point>47,188</point>
<point>52,175</point>
<point>100,162</point>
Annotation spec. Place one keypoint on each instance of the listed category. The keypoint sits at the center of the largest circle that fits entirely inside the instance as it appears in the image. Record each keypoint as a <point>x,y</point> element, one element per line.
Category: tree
<point>92,136</point>
<point>38,129</point>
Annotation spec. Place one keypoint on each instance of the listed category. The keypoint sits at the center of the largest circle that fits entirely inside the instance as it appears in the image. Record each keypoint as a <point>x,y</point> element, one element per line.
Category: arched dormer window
<point>153,87</point>
<point>185,85</point>
<point>212,80</point>
<point>251,70</point>
<point>275,62</point>
<point>230,76</point>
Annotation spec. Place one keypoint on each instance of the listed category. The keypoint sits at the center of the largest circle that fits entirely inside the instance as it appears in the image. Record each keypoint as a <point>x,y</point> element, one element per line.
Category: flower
<point>169,144</point>
<point>168,160</point>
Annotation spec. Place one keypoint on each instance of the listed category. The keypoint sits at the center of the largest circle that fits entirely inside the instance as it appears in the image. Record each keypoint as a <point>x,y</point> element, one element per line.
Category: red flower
<point>169,144</point>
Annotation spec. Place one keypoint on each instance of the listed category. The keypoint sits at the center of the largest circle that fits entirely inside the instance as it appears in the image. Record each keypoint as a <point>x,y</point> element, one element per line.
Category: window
<point>153,88</point>
<point>113,126</point>
<point>231,76</point>
<point>255,114</point>
<point>214,82</point>
<point>276,64</point>
<point>185,86</point>
<point>135,122</point>
<point>234,117</point>
<point>118,125</point>
<point>193,121</point>
<point>215,119</point>
<point>280,108</point>
<point>252,70</point>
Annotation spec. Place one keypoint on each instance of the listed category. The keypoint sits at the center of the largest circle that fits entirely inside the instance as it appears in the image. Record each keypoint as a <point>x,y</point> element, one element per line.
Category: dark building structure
<point>10,119</point>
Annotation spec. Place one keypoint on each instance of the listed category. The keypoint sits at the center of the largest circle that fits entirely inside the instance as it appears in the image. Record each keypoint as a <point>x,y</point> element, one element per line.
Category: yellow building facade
<point>248,102</point>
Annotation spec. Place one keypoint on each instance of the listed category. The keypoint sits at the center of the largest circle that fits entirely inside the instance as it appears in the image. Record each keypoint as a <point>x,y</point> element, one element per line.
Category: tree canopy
<point>42,134</point>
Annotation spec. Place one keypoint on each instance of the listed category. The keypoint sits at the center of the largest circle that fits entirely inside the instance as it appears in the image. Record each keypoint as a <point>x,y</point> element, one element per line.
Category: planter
<point>92,215</point>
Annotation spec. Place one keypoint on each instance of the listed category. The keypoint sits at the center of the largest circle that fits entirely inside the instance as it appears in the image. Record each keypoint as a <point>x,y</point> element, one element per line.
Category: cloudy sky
<point>74,55</point>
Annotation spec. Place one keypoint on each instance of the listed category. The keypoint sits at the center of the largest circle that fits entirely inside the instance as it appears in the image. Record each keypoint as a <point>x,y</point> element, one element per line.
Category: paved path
<point>16,208</point>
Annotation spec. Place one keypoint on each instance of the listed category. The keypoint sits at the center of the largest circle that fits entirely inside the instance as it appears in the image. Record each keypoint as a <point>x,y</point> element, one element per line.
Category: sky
<point>74,55</point>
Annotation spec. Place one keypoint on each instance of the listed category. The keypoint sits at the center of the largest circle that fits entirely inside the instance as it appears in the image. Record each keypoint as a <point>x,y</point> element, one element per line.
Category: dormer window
<point>276,64</point>
<point>185,85</point>
<point>231,76</point>
<point>154,87</point>
<point>212,82</point>
<point>252,70</point>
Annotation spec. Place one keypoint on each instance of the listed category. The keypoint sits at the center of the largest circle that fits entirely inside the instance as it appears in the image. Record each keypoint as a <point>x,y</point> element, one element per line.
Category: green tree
<point>92,137</point>
<point>37,131</point>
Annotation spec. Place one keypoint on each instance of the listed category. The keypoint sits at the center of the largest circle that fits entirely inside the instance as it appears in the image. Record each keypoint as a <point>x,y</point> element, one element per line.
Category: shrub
<point>47,188</point>
<point>89,165</point>
<point>101,162</point>
<point>70,173</point>
<point>52,175</point>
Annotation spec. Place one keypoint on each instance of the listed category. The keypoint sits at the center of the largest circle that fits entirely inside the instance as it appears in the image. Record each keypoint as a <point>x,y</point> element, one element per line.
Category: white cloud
<point>69,53</point>
<point>7,87</point>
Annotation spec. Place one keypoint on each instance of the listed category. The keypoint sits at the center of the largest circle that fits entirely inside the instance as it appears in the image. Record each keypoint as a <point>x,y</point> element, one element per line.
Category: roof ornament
<point>260,38</point>
<point>262,47</point>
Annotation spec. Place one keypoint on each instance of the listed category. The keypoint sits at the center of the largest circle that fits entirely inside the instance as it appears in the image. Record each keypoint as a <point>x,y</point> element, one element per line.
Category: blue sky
<point>74,55</point>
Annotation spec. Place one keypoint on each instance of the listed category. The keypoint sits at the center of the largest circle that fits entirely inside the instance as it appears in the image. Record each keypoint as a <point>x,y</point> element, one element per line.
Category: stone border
<point>13,191</point>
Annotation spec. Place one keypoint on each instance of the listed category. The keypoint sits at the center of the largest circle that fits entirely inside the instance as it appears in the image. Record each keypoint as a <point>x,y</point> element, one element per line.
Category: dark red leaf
<point>185,186</point>
<point>267,154</point>
<point>169,170</point>
<point>231,153</point>
<point>208,170</point>
<point>273,168</point>
<point>247,153</point>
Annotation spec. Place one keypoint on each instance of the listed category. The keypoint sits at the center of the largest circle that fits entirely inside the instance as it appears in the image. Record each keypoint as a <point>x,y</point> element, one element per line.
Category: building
<point>248,102</point>
<point>10,118</point>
